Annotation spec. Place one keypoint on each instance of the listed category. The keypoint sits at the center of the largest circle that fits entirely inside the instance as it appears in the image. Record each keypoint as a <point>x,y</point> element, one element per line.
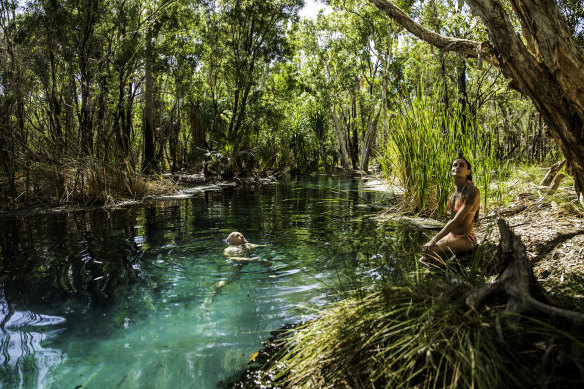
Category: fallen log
<point>557,180</point>
<point>518,285</point>
<point>547,180</point>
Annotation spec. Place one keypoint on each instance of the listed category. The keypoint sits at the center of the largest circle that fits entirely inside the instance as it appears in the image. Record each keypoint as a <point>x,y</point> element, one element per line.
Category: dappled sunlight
<point>141,294</point>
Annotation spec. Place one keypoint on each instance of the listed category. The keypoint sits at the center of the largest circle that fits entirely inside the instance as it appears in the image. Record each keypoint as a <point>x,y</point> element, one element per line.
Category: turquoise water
<point>143,296</point>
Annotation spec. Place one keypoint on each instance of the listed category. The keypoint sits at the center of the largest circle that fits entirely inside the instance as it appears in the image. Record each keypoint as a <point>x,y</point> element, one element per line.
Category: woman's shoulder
<point>472,191</point>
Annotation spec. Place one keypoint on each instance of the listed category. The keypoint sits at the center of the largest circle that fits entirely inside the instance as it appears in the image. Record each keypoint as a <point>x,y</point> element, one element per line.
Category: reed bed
<point>87,182</point>
<point>424,140</point>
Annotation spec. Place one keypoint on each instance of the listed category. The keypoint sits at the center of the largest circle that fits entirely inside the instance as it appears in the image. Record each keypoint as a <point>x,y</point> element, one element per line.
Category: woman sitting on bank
<point>458,235</point>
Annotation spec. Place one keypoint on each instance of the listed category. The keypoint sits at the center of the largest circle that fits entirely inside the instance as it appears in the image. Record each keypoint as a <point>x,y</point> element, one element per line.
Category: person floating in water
<point>458,234</point>
<point>239,248</point>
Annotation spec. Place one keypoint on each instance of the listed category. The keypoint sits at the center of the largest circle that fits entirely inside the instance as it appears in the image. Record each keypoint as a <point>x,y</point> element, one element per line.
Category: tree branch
<point>463,46</point>
<point>557,48</point>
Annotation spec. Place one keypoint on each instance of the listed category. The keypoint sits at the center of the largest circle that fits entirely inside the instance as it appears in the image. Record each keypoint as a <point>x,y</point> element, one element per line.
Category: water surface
<point>143,297</point>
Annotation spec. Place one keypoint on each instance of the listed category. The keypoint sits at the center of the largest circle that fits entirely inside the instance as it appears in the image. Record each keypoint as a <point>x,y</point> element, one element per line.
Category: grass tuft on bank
<point>423,336</point>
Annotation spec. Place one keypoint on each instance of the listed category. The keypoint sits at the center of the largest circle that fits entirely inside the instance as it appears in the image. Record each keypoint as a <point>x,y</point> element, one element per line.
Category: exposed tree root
<point>518,284</point>
<point>554,169</point>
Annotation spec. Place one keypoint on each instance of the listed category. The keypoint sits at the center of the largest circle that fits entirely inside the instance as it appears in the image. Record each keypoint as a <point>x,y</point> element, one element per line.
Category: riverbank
<point>553,233</point>
<point>152,188</point>
<point>72,190</point>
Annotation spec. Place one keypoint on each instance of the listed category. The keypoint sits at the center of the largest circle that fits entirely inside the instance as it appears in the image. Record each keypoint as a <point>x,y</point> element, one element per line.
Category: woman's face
<point>460,168</point>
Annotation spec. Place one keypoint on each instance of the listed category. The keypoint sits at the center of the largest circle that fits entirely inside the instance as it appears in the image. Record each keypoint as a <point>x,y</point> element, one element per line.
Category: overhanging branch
<point>463,46</point>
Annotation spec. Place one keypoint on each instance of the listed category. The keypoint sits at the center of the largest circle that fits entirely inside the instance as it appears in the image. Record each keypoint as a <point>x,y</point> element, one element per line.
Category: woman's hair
<point>469,177</point>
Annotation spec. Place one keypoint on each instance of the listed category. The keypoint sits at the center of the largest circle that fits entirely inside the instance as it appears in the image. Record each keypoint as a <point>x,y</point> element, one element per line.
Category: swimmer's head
<point>236,238</point>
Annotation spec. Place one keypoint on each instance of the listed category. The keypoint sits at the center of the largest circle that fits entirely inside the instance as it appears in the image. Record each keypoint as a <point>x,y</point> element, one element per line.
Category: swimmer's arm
<point>253,245</point>
<point>242,259</point>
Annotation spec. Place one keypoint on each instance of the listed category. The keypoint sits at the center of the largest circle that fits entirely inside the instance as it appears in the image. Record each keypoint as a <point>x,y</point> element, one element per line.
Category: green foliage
<point>418,336</point>
<point>421,334</point>
<point>424,140</point>
<point>573,10</point>
<point>238,86</point>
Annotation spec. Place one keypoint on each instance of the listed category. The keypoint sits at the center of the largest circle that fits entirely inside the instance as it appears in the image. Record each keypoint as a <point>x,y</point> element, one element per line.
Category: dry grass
<point>83,182</point>
<point>423,336</point>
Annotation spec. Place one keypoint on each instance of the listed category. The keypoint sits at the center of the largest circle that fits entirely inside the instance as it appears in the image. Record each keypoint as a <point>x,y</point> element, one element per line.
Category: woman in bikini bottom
<point>470,236</point>
<point>458,235</point>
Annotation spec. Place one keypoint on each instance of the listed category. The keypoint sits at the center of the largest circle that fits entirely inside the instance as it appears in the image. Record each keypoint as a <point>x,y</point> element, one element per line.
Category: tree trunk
<point>368,138</point>
<point>462,94</point>
<point>547,68</point>
<point>85,121</point>
<point>386,62</point>
<point>435,23</point>
<point>7,148</point>
<point>552,173</point>
<point>119,121</point>
<point>173,136</point>
<point>345,162</point>
<point>149,163</point>
<point>519,286</point>
<point>199,143</point>
<point>54,102</point>
<point>12,134</point>
<point>353,131</point>
<point>127,124</point>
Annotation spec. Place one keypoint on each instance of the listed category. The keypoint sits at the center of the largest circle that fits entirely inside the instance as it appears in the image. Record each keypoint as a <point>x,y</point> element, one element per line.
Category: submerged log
<point>517,283</point>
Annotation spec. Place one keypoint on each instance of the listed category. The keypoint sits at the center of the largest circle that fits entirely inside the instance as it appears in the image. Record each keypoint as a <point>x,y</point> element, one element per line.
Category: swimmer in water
<point>239,248</point>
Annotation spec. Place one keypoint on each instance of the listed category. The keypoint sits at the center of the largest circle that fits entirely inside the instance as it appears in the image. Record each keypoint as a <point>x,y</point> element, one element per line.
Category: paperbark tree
<point>543,63</point>
<point>149,162</point>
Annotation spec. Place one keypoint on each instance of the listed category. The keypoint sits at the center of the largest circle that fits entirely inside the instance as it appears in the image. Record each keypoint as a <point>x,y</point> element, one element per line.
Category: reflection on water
<point>144,297</point>
<point>23,333</point>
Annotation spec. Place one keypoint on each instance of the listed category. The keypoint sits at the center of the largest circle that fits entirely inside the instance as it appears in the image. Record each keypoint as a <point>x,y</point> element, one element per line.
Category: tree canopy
<point>538,51</point>
<point>234,87</point>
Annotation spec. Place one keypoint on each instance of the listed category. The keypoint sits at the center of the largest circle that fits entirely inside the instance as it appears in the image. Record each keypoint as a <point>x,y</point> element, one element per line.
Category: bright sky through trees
<point>312,7</point>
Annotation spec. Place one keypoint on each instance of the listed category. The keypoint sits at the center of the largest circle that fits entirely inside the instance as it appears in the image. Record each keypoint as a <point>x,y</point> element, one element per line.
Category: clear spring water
<point>143,297</point>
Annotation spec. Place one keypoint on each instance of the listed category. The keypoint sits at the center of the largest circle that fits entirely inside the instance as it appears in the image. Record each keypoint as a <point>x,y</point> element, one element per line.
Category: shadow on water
<point>116,298</point>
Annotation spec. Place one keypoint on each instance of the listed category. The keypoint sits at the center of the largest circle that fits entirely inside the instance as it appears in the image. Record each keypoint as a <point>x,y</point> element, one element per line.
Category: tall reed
<point>424,140</point>
<point>85,181</point>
